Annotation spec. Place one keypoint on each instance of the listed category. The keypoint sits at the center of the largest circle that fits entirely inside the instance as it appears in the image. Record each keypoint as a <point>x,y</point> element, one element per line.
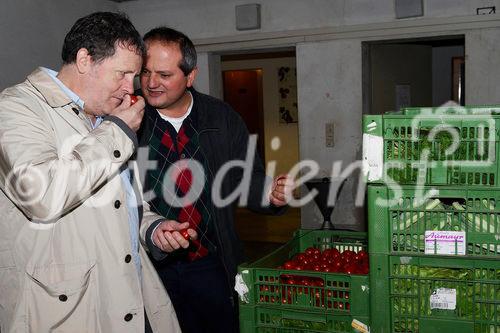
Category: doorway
<point>251,83</point>
<point>421,72</point>
<point>243,91</point>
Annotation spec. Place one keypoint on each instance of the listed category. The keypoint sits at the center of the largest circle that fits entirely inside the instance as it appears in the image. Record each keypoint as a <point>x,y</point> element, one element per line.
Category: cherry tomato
<point>290,265</point>
<point>184,233</point>
<point>133,100</point>
<point>312,251</point>
<point>362,255</point>
<point>300,257</point>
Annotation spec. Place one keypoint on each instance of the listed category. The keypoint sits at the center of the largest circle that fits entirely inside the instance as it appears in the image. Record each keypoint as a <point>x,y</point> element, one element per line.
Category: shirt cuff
<point>155,251</point>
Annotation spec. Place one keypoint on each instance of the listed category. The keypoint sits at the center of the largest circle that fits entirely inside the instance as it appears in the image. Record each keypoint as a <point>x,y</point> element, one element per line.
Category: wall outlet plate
<point>329,134</point>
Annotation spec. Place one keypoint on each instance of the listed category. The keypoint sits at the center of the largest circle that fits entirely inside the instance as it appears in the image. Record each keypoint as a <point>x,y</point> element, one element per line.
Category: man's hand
<point>130,113</point>
<point>281,190</point>
<point>167,237</point>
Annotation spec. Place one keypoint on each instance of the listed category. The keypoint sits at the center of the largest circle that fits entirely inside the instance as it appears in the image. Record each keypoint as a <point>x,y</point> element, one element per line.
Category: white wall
<point>482,66</point>
<point>288,154</point>
<point>329,82</point>
<point>32,33</point>
<point>216,18</point>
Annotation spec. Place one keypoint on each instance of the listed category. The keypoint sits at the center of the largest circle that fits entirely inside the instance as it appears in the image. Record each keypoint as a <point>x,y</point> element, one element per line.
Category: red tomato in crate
<point>363,255</point>
<point>300,257</point>
<point>312,250</point>
<point>290,265</point>
<point>350,268</point>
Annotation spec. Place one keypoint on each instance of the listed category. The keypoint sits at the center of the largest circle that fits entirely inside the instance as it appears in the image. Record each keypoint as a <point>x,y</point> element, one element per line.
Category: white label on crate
<point>445,242</point>
<point>444,298</point>
<point>373,156</point>
<point>241,287</point>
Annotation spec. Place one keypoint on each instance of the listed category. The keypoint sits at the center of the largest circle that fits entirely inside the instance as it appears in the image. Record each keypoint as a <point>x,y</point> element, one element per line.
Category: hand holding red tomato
<point>171,235</point>
<point>281,191</point>
<point>130,111</point>
<point>133,99</point>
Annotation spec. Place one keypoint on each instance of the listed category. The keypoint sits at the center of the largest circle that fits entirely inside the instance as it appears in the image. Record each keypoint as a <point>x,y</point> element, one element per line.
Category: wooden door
<point>243,91</point>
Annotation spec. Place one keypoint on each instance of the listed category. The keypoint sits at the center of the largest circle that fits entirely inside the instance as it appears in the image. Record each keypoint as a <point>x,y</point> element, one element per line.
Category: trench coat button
<point>128,317</point>
<point>76,111</point>
<point>117,153</point>
<point>128,258</point>
<point>117,204</point>
<point>183,155</point>
<point>63,298</point>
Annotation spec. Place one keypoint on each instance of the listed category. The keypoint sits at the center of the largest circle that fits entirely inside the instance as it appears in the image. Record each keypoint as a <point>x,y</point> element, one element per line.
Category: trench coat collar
<point>52,93</point>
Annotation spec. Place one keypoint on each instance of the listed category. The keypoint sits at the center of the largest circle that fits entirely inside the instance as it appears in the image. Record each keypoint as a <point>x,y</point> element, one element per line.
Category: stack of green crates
<point>440,172</point>
<point>325,302</point>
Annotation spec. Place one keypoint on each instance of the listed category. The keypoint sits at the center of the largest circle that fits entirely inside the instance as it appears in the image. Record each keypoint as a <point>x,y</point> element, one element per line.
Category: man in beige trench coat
<point>70,258</point>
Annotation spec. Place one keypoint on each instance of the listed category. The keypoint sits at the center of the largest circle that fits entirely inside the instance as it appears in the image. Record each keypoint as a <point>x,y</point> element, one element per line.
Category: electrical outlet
<point>329,134</point>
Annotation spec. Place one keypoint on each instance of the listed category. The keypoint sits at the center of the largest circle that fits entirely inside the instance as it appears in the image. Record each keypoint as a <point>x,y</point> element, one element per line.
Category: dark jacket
<point>223,137</point>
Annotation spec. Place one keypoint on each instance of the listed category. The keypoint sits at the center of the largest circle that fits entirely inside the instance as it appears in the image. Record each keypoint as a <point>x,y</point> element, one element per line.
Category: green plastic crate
<point>261,319</point>
<point>433,146</point>
<point>326,292</point>
<point>400,226</point>
<point>407,294</point>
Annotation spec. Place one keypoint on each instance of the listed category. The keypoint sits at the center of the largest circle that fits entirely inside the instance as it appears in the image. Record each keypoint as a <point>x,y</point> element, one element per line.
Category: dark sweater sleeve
<point>258,179</point>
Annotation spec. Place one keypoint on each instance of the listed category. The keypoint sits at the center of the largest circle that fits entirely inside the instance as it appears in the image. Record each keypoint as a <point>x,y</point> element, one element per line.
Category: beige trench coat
<point>64,236</point>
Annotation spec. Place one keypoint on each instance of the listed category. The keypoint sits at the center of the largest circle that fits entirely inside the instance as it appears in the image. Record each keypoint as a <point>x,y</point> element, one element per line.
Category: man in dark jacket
<point>204,163</point>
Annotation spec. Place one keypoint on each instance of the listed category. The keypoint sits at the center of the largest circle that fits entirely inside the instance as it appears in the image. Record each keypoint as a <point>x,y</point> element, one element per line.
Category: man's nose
<point>129,86</point>
<point>152,81</point>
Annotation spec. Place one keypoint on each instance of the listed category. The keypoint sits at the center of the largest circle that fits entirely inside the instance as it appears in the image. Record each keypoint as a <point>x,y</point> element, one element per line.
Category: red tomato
<point>337,266</point>
<point>350,268</point>
<point>312,250</point>
<point>184,233</point>
<point>364,269</point>
<point>348,254</point>
<point>133,99</point>
<point>363,255</point>
<point>290,265</point>
<point>300,257</point>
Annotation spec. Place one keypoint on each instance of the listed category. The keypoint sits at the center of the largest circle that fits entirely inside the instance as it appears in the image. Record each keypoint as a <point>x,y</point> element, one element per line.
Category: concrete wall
<point>216,18</point>
<point>329,82</point>
<point>482,66</point>
<point>32,33</point>
<point>288,154</point>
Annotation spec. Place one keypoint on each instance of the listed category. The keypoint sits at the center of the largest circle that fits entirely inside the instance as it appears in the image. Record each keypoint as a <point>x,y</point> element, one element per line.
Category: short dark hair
<point>169,35</point>
<point>100,33</point>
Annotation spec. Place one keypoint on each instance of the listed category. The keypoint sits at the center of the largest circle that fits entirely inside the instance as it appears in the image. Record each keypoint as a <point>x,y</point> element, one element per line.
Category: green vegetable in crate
<point>409,225</point>
<point>476,222</point>
<point>411,222</point>
<point>476,295</point>
<point>412,146</point>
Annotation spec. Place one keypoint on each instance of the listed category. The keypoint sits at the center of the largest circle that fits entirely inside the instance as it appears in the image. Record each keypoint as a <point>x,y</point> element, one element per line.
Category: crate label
<point>444,298</point>
<point>373,156</point>
<point>241,288</point>
<point>445,242</point>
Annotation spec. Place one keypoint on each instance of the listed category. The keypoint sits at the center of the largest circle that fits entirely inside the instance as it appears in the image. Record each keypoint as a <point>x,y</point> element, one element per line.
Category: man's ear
<point>83,60</point>
<point>192,76</point>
